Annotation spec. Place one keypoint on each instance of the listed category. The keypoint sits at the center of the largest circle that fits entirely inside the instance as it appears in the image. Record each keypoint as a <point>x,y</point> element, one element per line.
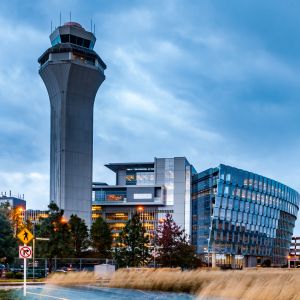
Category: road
<point>91,293</point>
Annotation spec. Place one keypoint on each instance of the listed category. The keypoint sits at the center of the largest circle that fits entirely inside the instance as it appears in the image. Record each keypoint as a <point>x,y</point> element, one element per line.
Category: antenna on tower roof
<point>94,29</point>
<point>70,16</point>
<point>60,18</point>
<point>51,26</point>
<point>91,25</point>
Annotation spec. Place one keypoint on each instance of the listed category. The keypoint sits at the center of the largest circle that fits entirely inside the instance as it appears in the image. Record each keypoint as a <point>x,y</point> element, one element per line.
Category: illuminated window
<point>114,197</point>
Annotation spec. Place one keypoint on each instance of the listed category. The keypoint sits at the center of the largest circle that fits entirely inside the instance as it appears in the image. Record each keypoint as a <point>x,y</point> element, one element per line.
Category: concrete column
<point>233,261</point>
<point>227,259</point>
<point>245,262</point>
<point>213,260</point>
<point>249,261</point>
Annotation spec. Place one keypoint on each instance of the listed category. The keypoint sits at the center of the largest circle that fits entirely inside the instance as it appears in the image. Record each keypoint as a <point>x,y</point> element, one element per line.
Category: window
<point>234,216</point>
<point>228,177</point>
<point>249,195</point>
<point>255,184</point>
<point>247,207</point>
<point>228,215</point>
<point>216,212</point>
<point>226,191</point>
<point>258,197</point>
<point>243,193</point>
<point>240,217</point>
<point>236,204</point>
<point>114,197</point>
<point>242,203</point>
<point>224,202</point>
<point>142,196</point>
<point>250,218</point>
<point>222,213</point>
<point>230,203</point>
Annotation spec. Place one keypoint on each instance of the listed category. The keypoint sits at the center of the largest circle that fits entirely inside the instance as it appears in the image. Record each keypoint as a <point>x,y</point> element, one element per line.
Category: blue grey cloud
<point>214,81</point>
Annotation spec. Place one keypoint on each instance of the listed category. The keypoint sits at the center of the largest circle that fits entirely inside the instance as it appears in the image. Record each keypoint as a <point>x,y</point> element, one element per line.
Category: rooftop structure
<point>14,201</point>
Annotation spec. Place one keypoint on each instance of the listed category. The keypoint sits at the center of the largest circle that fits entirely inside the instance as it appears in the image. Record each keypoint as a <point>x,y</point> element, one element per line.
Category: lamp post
<point>33,252</point>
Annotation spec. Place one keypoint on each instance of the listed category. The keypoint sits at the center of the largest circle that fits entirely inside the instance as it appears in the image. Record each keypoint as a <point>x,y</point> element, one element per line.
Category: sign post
<point>25,276</point>
<point>25,252</point>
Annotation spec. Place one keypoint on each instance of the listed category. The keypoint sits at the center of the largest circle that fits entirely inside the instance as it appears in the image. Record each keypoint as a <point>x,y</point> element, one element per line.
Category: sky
<point>215,81</point>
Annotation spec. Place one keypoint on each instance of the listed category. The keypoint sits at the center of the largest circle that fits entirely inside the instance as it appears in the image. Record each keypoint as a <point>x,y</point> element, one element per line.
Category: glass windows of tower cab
<point>69,38</point>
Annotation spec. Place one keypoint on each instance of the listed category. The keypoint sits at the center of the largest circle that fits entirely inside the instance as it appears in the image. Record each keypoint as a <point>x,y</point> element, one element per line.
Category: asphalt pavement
<point>93,293</point>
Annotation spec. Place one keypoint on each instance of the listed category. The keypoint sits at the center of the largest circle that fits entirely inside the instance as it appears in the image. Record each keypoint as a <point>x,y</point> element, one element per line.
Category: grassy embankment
<point>261,284</point>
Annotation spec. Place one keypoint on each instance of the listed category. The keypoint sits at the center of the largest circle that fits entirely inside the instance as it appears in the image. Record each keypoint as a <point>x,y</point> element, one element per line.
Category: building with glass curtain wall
<point>238,213</point>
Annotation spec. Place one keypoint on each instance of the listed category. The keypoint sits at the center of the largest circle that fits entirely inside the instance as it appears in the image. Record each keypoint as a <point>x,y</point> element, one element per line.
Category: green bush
<point>9,275</point>
<point>19,275</point>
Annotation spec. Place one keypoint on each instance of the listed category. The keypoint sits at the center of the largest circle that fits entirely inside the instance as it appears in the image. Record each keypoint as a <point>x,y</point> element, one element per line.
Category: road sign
<point>25,252</point>
<point>25,236</point>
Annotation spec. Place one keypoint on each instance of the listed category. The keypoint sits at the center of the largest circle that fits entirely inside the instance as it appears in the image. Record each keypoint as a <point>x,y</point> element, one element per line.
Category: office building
<point>34,215</point>
<point>295,246</point>
<point>14,201</point>
<point>151,189</point>
<point>72,72</point>
<point>238,213</point>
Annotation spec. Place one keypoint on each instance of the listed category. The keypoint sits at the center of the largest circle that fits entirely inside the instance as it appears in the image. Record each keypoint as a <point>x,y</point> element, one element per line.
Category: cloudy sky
<point>215,81</point>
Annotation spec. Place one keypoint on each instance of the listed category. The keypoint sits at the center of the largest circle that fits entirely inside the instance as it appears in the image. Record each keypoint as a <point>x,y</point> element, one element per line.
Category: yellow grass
<point>261,284</point>
<point>72,278</point>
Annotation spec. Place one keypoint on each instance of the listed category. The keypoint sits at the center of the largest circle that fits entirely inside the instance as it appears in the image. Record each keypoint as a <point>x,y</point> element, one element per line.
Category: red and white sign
<point>25,252</point>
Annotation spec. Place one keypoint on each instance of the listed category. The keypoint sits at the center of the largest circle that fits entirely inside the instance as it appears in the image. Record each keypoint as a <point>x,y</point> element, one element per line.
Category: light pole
<point>33,252</point>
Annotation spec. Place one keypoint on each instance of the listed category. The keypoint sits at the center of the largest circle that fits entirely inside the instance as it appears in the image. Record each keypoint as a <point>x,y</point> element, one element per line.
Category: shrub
<point>9,275</point>
<point>19,275</point>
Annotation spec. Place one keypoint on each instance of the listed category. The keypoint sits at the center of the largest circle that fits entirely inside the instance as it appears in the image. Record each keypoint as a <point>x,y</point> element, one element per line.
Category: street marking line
<point>47,296</point>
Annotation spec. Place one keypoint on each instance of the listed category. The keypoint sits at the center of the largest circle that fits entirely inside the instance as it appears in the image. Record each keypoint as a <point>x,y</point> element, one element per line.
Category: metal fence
<point>41,267</point>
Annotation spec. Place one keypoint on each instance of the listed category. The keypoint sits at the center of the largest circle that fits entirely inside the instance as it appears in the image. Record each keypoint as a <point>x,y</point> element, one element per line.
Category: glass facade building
<point>239,213</point>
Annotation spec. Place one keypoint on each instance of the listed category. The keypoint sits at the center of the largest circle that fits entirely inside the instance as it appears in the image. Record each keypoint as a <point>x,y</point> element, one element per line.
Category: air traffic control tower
<point>72,72</point>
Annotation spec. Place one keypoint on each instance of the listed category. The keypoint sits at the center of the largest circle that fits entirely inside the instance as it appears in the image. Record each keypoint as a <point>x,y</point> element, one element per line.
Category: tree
<point>79,234</point>
<point>131,245</point>
<point>58,231</point>
<point>8,244</point>
<point>174,249</point>
<point>101,237</point>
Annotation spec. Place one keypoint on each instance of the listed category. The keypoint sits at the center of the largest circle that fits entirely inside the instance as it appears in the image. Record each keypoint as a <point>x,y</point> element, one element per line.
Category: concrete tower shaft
<point>72,73</point>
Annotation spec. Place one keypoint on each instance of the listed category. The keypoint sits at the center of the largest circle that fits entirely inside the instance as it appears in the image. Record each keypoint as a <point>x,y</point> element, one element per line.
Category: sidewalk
<point>17,283</point>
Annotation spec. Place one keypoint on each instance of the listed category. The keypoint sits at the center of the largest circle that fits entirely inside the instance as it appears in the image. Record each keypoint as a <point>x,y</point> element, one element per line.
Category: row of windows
<point>268,200</point>
<point>251,222</point>
<point>247,207</point>
<point>241,238</point>
<point>243,250</point>
<point>259,183</point>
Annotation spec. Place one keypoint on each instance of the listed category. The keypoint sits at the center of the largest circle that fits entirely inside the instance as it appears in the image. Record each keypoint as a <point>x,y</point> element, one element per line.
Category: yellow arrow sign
<point>25,236</point>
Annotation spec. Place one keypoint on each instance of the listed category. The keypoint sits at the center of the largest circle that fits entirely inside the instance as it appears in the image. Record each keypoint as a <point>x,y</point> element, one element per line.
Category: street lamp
<point>63,220</point>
